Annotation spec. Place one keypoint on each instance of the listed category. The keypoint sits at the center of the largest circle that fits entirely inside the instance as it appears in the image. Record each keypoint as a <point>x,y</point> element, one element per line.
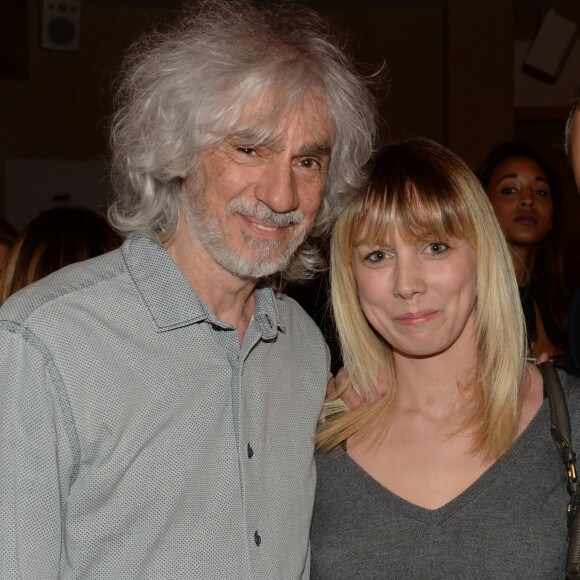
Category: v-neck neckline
<point>437,516</point>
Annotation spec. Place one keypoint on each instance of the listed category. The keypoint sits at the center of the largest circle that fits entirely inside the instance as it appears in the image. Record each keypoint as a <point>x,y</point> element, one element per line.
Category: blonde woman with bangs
<point>454,473</point>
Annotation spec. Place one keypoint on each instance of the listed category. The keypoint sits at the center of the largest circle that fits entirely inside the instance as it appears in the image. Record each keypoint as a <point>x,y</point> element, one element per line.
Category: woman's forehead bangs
<point>416,211</point>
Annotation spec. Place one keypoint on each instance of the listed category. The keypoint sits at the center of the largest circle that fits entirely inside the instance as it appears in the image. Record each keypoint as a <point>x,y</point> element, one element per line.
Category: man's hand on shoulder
<point>339,386</point>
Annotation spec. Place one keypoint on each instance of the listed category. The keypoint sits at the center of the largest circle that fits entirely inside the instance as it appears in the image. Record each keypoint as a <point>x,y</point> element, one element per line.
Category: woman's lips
<point>526,219</point>
<point>416,318</point>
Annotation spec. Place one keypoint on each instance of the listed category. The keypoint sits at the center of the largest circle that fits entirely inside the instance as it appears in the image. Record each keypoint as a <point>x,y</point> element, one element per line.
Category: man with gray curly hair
<point>158,404</point>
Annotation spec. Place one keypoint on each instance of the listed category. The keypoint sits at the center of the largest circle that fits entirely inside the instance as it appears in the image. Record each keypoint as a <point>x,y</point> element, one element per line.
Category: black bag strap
<point>560,430</point>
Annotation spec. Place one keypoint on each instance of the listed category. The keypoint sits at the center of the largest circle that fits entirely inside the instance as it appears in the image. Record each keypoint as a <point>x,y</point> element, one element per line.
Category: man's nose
<point>277,187</point>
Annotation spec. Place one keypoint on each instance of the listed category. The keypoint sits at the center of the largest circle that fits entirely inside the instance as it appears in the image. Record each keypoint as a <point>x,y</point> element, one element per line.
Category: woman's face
<point>519,192</point>
<point>420,296</point>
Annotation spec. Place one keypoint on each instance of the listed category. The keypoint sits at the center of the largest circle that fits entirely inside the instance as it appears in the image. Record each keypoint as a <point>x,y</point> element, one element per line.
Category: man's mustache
<point>262,212</point>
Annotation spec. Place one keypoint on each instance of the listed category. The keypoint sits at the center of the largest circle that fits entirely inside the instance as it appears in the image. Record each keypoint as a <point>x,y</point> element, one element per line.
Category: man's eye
<point>309,163</point>
<point>248,151</point>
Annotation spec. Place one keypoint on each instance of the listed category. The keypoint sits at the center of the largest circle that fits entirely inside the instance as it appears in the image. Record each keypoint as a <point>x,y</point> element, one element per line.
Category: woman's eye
<point>508,190</point>
<point>377,256</point>
<point>437,248</point>
<point>542,193</point>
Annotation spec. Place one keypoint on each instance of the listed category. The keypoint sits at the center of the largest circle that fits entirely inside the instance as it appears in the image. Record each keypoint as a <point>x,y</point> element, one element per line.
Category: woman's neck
<point>436,385</point>
<point>524,259</point>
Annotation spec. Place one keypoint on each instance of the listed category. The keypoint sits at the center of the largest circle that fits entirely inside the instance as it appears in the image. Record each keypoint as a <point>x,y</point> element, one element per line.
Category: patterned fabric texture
<point>139,440</point>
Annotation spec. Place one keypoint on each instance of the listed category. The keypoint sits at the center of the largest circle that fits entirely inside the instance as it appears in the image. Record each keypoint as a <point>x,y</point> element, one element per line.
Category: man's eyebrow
<point>253,138</point>
<point>316,149</point>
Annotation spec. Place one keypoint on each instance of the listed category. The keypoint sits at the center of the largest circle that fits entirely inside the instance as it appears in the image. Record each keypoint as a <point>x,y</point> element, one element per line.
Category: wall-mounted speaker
<point>60,24</point>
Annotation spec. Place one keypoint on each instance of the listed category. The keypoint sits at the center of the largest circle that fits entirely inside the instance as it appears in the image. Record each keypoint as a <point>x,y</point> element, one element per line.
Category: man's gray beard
<point>214,241</point>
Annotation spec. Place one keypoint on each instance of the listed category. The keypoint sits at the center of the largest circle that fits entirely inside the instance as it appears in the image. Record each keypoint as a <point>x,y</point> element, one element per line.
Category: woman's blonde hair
<point>424,191</point>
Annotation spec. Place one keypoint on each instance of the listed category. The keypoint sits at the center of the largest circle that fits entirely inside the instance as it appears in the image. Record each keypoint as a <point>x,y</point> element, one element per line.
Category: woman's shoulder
<point>570,383</point>
<point>330,459</point>
<point>333,467</point>
<point>571,386</point>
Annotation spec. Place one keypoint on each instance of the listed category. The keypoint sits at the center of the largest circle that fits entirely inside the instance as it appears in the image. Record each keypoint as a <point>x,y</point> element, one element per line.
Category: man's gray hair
<point>185,90</point>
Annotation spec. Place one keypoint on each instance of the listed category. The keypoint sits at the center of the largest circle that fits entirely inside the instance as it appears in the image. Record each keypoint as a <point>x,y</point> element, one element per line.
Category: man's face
<point>253,202</point>
<point>575,148</point>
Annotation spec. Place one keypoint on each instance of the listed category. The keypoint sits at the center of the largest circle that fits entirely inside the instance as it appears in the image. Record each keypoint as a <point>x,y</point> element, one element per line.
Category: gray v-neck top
<point>510,523</point>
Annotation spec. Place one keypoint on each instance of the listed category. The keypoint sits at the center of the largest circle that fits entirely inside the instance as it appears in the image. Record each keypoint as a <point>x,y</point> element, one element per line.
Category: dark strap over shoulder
<point>561,433</point>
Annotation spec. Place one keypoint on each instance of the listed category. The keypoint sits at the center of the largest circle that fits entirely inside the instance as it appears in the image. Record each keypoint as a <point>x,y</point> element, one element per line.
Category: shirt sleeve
<point>35,465</point>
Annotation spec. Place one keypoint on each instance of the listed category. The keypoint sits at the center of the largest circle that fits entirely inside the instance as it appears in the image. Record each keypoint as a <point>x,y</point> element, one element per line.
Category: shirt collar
<point>172,302</point>
<point>267,314</point>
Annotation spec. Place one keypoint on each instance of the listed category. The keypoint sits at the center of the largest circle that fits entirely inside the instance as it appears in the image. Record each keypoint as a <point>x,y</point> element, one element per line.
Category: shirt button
<point>250,451</point>
<point>257,538</point>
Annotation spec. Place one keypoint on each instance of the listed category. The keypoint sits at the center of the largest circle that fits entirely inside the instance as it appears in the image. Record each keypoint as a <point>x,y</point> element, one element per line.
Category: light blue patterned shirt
<point>139,440</point>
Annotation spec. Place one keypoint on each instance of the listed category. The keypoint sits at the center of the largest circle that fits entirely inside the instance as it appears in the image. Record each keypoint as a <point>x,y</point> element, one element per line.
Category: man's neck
<point>228,296</point>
